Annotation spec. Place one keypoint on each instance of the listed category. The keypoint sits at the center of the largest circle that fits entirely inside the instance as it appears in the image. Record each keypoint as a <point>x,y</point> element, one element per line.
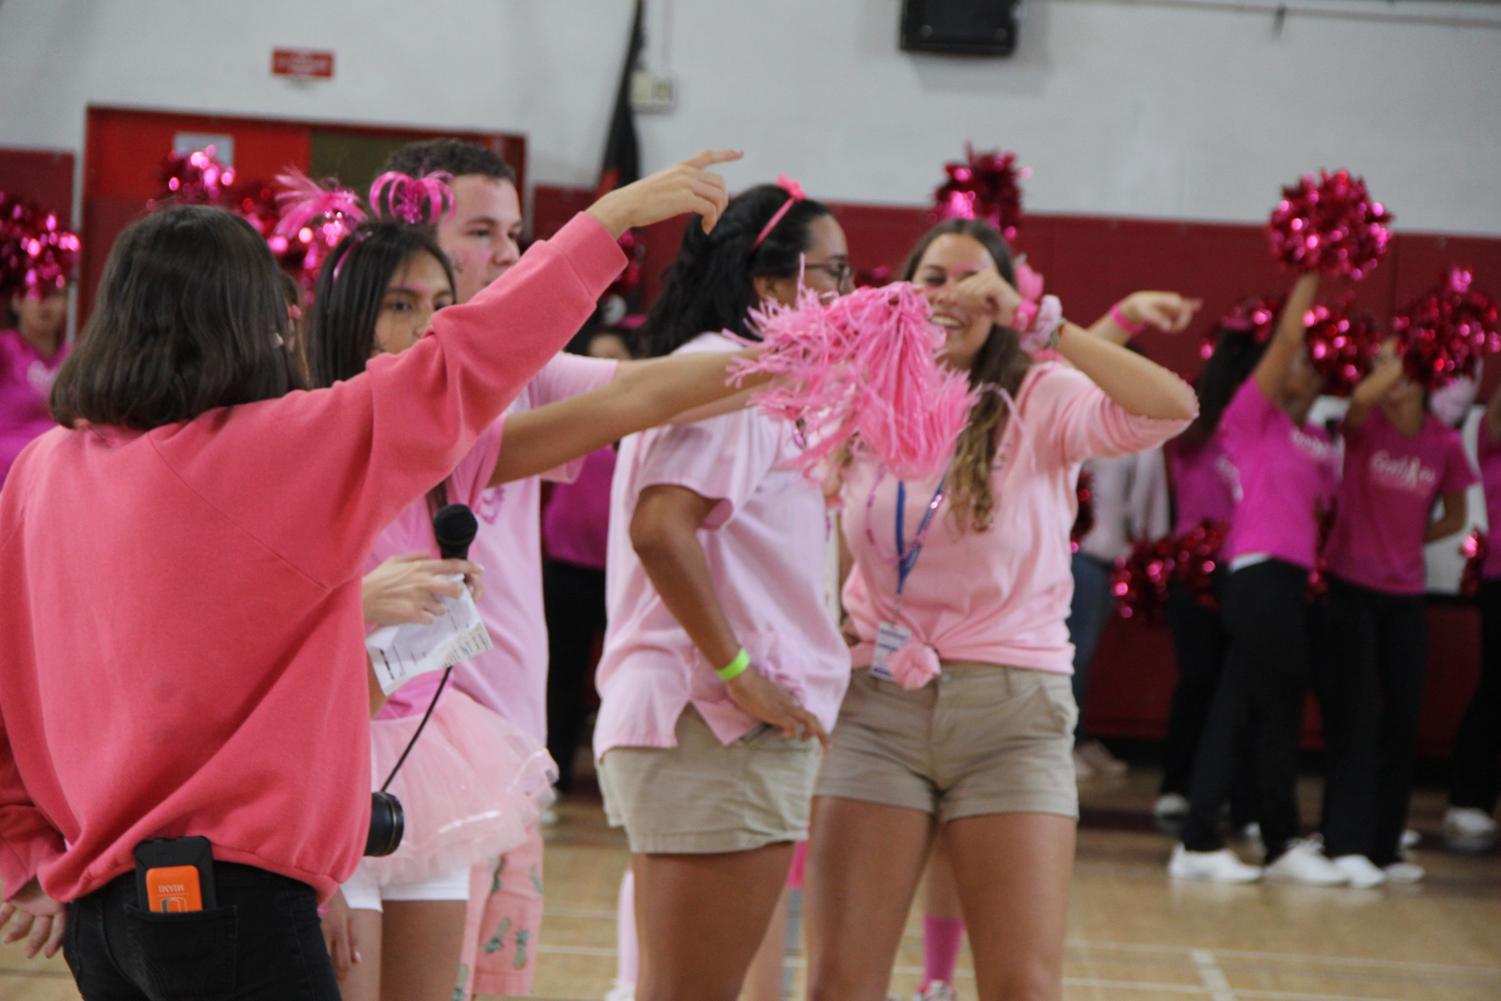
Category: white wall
<point>1120,108</point>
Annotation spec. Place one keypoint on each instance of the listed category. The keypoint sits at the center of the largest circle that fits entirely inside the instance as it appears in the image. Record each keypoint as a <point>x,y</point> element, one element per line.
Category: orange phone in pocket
<point>173,889</point>
<point>175,875</point>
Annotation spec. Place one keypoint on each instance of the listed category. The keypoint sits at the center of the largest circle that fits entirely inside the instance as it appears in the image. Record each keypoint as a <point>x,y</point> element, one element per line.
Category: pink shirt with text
<point>1286,473</point>
<point>1386,497</point>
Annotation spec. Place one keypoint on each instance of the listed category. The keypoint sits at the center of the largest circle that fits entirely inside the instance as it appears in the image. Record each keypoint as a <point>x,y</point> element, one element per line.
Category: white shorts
<point>363,893</point>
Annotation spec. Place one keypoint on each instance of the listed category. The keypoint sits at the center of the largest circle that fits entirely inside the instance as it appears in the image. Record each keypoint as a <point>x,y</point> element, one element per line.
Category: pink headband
<point>794,195</point>
<point>413,200</point>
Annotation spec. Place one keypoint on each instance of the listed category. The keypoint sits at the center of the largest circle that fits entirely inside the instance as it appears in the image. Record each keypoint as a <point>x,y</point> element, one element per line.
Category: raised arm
<point>1384,376</point>
<point>644,394</point>
<point>1271,372</point>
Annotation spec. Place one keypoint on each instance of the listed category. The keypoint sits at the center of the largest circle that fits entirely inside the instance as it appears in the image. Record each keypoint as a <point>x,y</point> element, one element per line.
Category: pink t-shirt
<point>26,377</point>
<point>764,542</point>
<point>576,522</point>
<point>511,679</point>
<point>1204,482</point>
<point>1490,479</point>
<point>1286,473</point>
<point>412,532</point>
<point>1000,596</point>
<point>1386,498</point>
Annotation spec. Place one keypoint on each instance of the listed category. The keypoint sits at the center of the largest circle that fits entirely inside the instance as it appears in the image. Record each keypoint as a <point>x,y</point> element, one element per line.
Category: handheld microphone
<point>454,526</point>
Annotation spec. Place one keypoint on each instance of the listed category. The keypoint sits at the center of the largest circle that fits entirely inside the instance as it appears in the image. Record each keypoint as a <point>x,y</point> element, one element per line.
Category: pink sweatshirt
<point>1000,596</point>
<point>180,631</point>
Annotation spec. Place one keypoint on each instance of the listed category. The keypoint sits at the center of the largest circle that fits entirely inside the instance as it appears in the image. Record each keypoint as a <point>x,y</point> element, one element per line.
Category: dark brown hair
<point>191,315</point>
<point>1001,364</point>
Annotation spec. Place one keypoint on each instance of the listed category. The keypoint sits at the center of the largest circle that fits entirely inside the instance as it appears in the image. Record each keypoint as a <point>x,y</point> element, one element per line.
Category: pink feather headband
<point>794,195</point>
<point>396,196</point>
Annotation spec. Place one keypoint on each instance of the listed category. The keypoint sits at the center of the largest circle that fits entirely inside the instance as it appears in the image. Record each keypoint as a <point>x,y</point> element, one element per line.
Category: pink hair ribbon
<point>794,195</point>
<point>305,201</point>
<point>414,200</point>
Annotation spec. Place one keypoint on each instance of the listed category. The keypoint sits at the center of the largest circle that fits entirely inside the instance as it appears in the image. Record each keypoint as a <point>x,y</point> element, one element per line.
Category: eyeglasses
<point>841,271</point>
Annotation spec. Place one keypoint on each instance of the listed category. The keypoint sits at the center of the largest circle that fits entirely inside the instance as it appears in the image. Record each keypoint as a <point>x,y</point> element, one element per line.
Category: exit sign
<point>305,64</point>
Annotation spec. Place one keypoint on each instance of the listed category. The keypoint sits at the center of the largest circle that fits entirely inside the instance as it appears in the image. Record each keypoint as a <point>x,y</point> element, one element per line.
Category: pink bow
<point>414,200</point>
<point>1028,281</point>
<point>794,195</point>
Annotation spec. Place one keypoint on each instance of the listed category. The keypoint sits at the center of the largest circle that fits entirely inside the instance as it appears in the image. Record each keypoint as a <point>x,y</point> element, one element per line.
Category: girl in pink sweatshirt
<point>180,628</point>
<point>973,566</point>
<point>473,783</point>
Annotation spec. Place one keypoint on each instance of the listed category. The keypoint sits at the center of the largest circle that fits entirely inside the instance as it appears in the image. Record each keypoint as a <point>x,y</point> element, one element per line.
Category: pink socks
<point>941,939</point>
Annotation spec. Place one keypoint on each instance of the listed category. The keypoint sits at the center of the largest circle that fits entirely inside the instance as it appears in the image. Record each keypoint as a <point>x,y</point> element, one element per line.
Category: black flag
<point>622,163</point>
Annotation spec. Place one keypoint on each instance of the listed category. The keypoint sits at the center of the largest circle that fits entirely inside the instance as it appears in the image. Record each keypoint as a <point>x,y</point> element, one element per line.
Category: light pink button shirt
<point>512,678</point>
<point>764,542</point>
<point>1000,596</point>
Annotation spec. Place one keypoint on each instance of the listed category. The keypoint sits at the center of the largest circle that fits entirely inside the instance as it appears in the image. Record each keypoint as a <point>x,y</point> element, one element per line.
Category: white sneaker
<point>1304,863</point>
<point>1223,866</point>
<point>1469,829</point>
<point>1361,872</point>
<point>937,991</point>
<point>1170,806</point>
<point>1251,833</point>
<point>1410,839</point>
<point>1405,872</point>
<point>1083,771</point>
<point>622,992</point>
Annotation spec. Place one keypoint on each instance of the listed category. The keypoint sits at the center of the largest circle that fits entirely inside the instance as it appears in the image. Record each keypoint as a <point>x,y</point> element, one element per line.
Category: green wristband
<point>736,667</point>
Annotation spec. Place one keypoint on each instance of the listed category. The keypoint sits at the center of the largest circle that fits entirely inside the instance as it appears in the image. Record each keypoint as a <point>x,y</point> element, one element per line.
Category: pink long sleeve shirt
<point>1000,596</point>
<point>180,631</point>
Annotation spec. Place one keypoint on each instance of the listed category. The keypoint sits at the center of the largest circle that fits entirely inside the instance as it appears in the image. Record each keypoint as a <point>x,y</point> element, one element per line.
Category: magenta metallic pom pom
<point>1443,332</point>
<point>1342,345</point>
<point>1140,580</point>
<point>38,254</point>
<point>1084,519</point>
<point>1196,558</point>
<point>1330,224</point>
<point>983,186</point>
<point>863,371</point>
<point>1256,317</point>
<point>195,178</point>
<point>1474,549</point>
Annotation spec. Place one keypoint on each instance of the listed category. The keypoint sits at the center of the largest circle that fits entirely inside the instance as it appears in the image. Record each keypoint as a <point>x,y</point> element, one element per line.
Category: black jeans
<point>1264,685</point>
<point>574,598</point>
<point>262,942</point>
<point>1371,694</point>
<point>1475,777</point>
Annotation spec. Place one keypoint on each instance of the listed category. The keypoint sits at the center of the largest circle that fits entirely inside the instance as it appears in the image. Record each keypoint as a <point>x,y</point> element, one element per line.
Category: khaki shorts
<point>703,797</point>
<point>978,740</point>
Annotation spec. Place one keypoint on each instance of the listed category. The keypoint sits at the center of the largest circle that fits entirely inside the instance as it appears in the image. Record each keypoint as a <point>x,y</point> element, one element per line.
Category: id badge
<point>890,638</point>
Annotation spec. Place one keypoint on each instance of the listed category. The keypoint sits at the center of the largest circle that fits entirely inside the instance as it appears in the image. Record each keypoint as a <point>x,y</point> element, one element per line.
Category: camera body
<point>387,825</point>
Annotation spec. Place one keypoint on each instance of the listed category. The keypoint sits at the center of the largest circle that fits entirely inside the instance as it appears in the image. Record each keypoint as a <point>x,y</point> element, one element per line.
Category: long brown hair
<point>1001,364</point>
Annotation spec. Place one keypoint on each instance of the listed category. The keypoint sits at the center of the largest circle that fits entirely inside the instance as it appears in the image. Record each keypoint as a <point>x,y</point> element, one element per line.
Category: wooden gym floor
<point>1133,933</point>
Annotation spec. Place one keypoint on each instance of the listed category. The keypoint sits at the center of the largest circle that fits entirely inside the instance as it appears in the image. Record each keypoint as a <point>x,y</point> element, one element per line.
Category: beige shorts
<point>703,797</point>
<point>978,740</point>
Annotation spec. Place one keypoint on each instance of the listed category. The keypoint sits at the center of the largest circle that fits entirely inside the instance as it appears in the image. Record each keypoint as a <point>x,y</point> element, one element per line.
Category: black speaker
<point>965,27</point>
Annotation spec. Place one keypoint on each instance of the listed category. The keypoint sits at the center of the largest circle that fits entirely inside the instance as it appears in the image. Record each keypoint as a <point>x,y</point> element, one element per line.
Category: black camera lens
<point>387,824</point>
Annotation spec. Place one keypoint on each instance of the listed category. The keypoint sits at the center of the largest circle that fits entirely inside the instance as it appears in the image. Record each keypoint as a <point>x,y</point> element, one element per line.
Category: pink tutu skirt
<point>471,789</point>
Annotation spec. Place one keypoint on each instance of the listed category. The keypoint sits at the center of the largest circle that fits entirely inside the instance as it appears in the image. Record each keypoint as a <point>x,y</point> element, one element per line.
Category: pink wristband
<point>1118,315</point>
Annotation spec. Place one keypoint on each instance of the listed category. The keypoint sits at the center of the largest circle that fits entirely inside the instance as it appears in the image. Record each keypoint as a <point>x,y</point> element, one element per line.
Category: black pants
<point>1200,645</point>
<point>1475,776</point>
<point>1263,687</point>
<point>574,598</point>
<point>262,942</point>
<point>1371,692</point>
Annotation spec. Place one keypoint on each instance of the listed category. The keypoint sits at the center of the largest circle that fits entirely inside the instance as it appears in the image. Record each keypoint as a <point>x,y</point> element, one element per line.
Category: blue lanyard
<point>907,558</point>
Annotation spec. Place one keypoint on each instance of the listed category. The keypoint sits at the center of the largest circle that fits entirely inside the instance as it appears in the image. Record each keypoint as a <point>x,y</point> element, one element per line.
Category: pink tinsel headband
<point>794,195</point>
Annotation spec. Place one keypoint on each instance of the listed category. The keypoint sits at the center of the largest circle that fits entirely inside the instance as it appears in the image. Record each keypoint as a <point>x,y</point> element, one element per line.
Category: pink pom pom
<point>1443,332</point>
<point>983,186</point>
<point>303,202</point>
<point>1329,223</point>
<point>914,665</point>
<point>195,178</point>
<point>38,254</point>
<point>1474,549</point>
<point>1342,346</point>
<point>863,371</point>
<point>1256,317</point>
<point>1141,579</point>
